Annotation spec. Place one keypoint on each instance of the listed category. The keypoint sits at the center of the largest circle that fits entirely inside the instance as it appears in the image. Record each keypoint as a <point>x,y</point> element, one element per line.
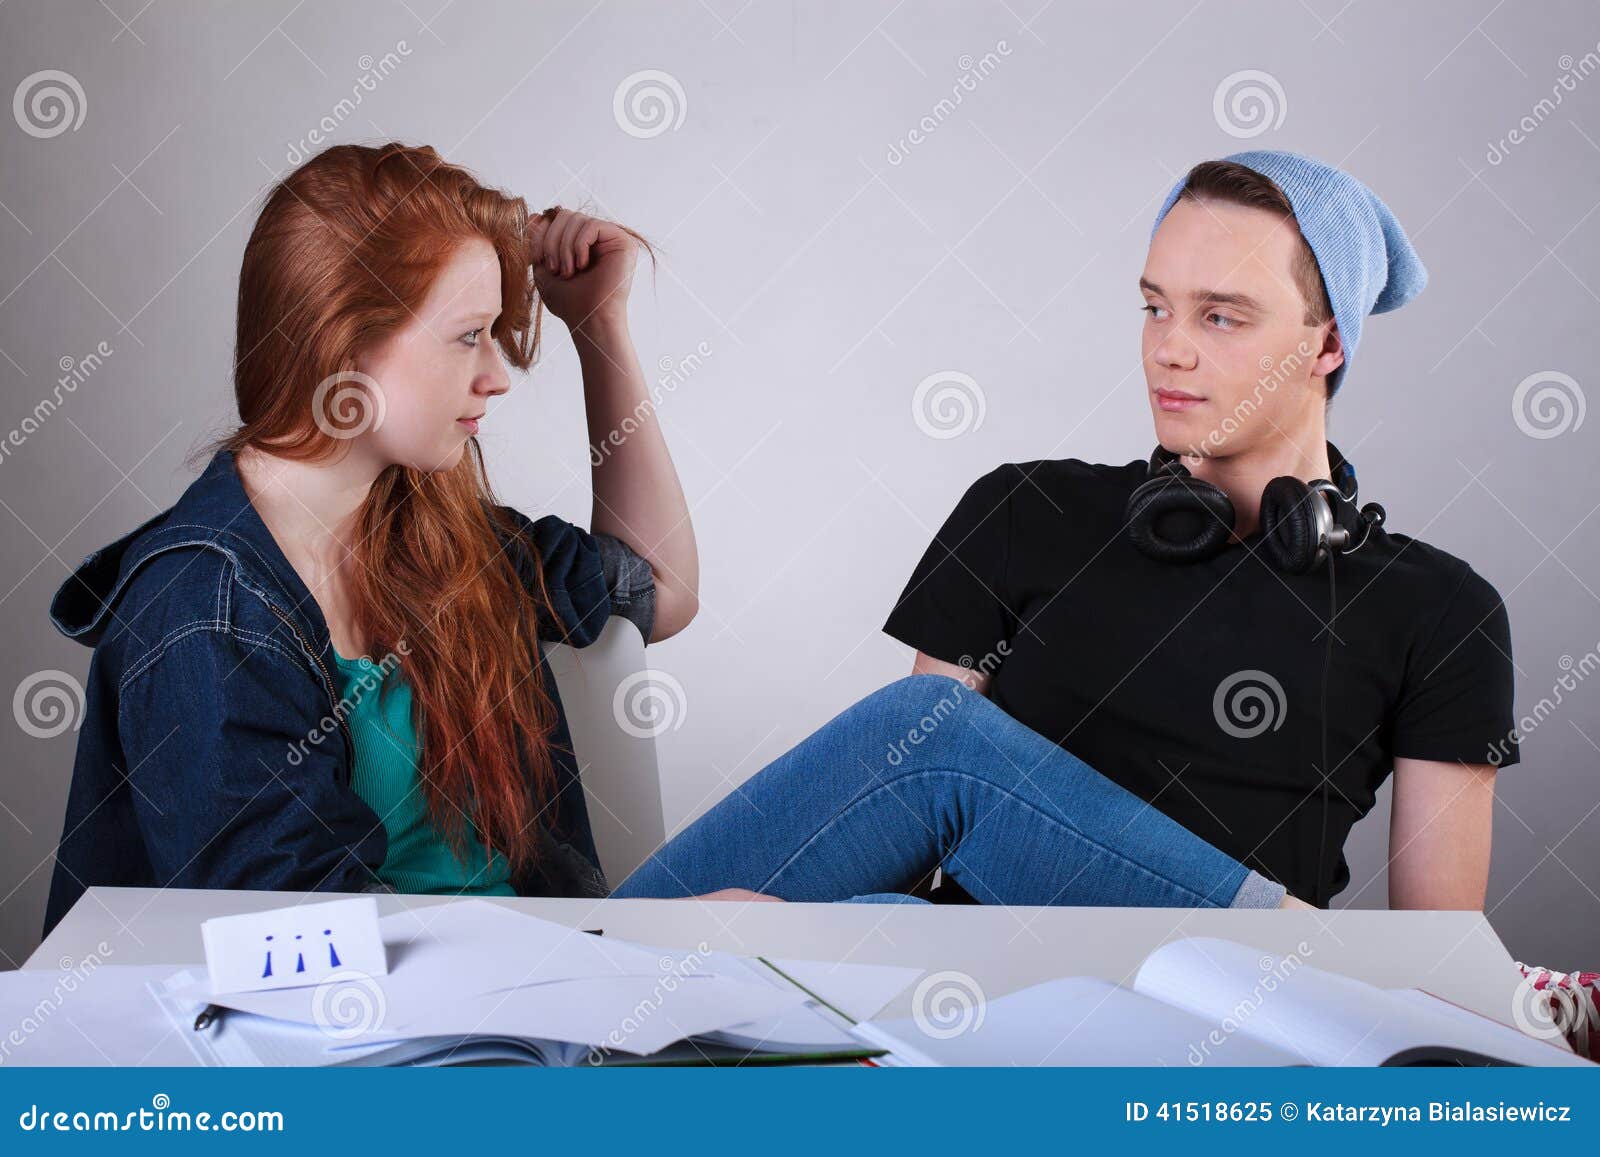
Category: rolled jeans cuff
<point>1258,892</point>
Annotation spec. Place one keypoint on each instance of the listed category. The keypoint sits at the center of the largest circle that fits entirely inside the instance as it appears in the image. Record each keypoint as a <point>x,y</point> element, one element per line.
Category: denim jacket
<point>212,753</point>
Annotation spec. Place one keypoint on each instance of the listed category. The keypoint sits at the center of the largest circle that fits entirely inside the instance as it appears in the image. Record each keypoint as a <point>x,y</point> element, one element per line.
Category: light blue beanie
<point>1367,262</point>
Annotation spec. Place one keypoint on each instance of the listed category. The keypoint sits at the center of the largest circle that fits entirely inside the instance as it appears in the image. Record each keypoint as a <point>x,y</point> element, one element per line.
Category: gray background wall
<point>829,274</point>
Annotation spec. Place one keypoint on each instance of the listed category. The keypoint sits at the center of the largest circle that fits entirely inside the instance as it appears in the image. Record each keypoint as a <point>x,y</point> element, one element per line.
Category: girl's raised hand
<point>582,266</point>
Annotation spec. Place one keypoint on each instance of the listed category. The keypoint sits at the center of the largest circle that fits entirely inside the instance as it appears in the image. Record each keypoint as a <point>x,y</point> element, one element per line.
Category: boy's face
<point>1225,325</point>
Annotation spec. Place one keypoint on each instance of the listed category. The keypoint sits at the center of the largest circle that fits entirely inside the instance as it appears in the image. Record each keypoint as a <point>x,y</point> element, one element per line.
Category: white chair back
<point>621,778</point>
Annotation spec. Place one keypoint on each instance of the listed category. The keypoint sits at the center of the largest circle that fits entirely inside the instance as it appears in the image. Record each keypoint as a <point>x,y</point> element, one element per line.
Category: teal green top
<point>385,776</point>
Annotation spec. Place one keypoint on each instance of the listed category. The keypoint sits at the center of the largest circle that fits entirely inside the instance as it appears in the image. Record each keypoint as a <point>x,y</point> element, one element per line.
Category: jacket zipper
<point>333,699</point>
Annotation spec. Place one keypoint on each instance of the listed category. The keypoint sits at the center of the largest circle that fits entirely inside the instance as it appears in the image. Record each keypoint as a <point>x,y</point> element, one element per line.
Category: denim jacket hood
<point>208,756</point>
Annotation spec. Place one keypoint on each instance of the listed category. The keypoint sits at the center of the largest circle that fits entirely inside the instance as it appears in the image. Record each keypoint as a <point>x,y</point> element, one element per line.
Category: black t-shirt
<point>1197,686</point>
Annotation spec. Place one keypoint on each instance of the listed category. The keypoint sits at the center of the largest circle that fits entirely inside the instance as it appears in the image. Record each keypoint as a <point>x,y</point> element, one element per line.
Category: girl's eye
<point>471,336</point>
<point>1153,310</point>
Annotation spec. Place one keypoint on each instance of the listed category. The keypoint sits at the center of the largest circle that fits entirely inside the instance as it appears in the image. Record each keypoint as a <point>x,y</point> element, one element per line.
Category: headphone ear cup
<point>1287,524</point>
<point>1178,518</point>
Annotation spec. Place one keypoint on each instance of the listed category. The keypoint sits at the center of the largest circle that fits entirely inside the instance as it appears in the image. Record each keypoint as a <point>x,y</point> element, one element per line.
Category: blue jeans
<point>927,772</point>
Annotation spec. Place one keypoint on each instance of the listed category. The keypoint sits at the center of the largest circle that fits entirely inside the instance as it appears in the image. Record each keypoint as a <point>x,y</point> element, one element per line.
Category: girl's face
<point>434,377</point>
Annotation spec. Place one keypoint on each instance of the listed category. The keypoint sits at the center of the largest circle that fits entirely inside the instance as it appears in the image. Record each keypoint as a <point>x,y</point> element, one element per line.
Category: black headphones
<point>1175,517</point>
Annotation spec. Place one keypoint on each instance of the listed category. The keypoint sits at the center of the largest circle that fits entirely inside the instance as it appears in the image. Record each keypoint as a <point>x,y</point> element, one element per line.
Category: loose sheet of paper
<point>100,1016</point>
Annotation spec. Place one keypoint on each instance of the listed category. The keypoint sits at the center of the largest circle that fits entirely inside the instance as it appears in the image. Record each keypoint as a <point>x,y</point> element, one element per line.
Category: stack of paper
<point>474,980</point>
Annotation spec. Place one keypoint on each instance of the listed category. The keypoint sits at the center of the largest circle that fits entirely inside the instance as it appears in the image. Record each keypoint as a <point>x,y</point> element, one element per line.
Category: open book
<point>1205,1001</point>
<point>476,982</point>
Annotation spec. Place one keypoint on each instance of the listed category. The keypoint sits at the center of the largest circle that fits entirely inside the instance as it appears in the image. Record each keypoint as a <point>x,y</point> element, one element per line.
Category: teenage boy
<point>1181,640</point>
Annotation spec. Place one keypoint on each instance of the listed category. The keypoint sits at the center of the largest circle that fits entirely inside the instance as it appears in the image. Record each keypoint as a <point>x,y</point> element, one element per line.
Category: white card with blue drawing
<point>299,945</point>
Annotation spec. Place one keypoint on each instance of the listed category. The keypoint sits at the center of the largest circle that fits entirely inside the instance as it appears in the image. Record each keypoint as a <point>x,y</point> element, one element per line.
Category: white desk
<point>1455,955</point>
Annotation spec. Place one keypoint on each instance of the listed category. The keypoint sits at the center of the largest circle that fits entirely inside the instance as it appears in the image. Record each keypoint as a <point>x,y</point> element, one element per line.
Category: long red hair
<point>345,249</point>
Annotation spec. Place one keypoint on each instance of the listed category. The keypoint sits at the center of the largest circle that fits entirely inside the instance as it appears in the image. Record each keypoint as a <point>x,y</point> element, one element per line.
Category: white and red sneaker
<point>1574,1005</point>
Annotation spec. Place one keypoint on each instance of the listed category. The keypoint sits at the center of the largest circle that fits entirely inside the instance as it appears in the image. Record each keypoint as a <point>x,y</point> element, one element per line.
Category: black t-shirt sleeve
<point>956,605</point>
<point>1456,703</point>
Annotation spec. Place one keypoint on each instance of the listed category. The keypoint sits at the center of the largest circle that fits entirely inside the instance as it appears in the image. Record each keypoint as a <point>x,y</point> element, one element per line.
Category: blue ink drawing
<point>300,959</point>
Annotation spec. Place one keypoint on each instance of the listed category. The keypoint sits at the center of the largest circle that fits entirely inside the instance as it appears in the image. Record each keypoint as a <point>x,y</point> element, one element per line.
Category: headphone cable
<point>1327,663</point>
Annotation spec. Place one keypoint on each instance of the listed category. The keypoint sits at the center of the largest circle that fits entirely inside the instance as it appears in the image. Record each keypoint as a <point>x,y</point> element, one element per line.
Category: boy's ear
<point>1331,355</point>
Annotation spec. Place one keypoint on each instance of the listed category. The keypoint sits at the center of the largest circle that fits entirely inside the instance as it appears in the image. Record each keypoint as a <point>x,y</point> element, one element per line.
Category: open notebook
<point>1204,1001</point>
<point>477,982</point>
